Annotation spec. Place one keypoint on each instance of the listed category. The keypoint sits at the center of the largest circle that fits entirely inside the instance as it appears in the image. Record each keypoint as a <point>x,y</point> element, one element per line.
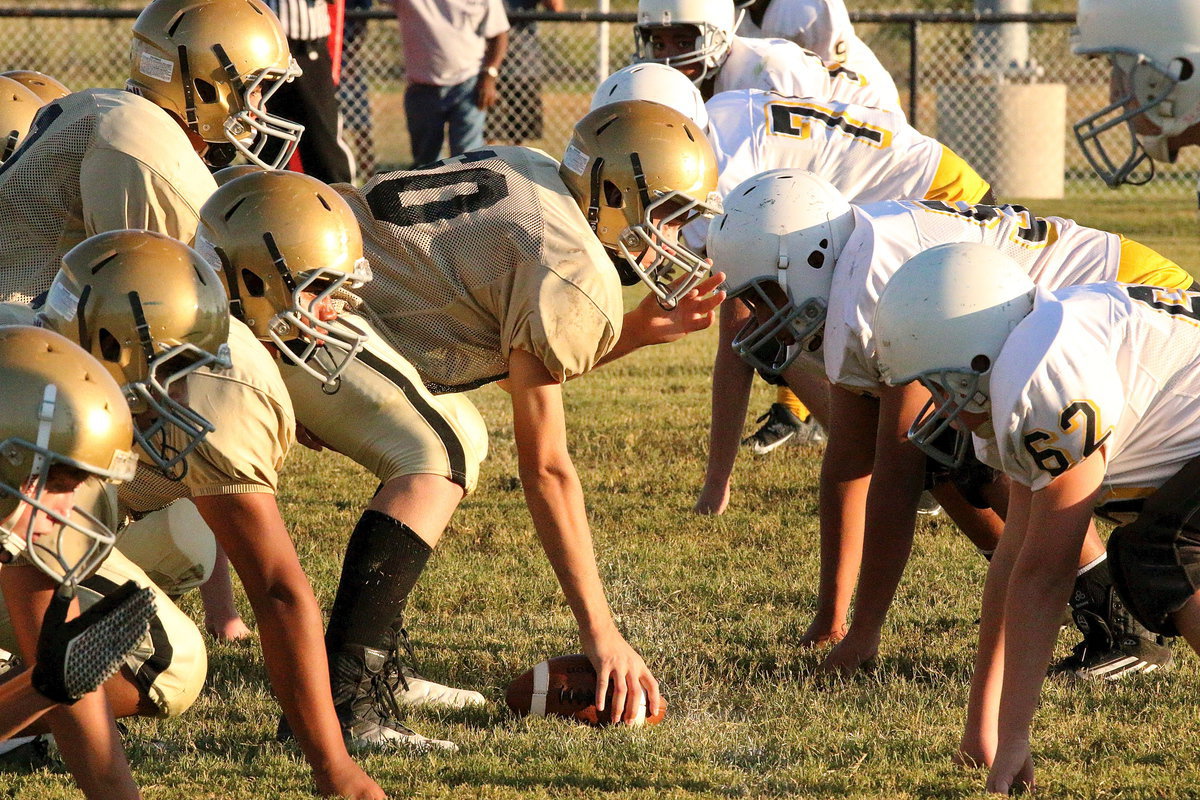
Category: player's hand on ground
<point>849,655</point>
<point>1012,771</point>
<point>614,660</point>
<point>972,754</point>
<point>712,500</point>
<point>822,632</point>
<point>230,629</point>
<point>695,311</point>
<point>348,781</point>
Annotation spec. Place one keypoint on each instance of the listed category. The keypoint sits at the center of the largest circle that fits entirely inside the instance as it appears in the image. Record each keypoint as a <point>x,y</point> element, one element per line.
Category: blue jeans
<point>430,109</point>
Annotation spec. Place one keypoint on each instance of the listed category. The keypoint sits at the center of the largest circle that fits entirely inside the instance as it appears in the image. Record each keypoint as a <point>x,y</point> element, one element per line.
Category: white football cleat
<point>415,690</point>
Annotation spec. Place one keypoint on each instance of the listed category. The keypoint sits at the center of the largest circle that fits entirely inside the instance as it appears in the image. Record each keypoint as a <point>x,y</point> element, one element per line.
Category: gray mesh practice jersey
<point>479,255</point>
<point>94,161</point>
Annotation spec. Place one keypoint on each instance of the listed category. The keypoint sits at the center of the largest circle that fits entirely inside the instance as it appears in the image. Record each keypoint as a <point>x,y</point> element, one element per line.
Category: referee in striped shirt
<point>310,99</point>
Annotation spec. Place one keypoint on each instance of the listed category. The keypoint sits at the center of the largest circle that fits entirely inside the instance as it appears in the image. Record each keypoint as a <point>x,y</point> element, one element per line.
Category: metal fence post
<point>914,70</point>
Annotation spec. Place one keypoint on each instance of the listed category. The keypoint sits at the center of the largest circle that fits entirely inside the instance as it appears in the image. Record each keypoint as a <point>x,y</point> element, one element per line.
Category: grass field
<point>716,605</point>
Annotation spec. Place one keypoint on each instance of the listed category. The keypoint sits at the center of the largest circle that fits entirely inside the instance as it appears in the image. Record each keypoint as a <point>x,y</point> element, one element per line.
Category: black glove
<point>74,658</point>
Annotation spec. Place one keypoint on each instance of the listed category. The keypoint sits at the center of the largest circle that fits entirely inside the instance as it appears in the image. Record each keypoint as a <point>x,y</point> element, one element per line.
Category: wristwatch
<point>491,72</point>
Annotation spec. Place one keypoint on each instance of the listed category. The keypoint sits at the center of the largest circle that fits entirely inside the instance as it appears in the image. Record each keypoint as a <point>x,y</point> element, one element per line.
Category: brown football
<point>566,687</point>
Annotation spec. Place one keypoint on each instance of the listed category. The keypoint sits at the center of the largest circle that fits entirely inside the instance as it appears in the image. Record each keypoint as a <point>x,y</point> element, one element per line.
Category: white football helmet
<point>942,320</point>
<point>714,21</point>
<point>777,243</point>
<point>1154,49</point>
<point>657,83</point>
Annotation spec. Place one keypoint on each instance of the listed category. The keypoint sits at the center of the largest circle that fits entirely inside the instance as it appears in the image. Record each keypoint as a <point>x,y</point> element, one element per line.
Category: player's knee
<point>174,675</point>
<point>1155,569</point>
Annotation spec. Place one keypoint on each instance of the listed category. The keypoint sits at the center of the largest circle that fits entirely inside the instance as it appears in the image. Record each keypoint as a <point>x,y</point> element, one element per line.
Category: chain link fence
<point>1007,119</point>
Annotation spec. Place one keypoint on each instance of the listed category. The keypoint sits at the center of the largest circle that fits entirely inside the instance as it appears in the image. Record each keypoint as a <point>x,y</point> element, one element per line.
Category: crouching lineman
<point>817,305</point>
<point>1086,398</point>
<point>147,306</point>
<point>512,285</point>
<point>65,421</point>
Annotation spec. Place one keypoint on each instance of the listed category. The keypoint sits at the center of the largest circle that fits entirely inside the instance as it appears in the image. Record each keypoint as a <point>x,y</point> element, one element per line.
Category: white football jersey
<point>869,154</point>
<point>1108,367</point>
<point>94,161</point>
<point>1054,251</point>
<point>785,67</point>
<point>823,27</point>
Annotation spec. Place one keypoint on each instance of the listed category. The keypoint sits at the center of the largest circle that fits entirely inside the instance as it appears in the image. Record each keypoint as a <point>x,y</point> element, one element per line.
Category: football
<point>566,687</point>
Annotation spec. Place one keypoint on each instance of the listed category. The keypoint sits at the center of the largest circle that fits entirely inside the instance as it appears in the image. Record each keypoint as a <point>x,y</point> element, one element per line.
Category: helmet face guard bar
<point>252,126</point>
<point>937,416</point>
<point>64,568</point>
<point>801,324</point>
<point>670,254</point>
<point>176,429</point>
<point>304,317</point>
<point>1122,111</point>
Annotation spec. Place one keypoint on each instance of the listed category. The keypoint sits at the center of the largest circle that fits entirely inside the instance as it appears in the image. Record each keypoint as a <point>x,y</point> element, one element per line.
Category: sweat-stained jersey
<point>481,254</point>
<point>1056,252</point>
<point>781,66</point>
<point>869,154</point>
<point>94,161</point>
<point>822,26</point>
<point>1111,368</point>
<point>254,426</point>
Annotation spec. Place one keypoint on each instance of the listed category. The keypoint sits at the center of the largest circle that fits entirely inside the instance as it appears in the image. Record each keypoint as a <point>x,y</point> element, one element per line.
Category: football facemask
<point>778,331</point>
<point>674,270</point>
<point>1133,76</point>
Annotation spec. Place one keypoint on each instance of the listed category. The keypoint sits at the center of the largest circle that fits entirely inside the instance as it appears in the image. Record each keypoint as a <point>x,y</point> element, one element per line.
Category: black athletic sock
<point>383,561</point>
<point>1092,587</point>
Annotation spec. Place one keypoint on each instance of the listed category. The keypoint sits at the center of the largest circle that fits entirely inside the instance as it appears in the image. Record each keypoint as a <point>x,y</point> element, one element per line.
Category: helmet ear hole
<point>1185,69</point>
<point>110,346</point>
<point>612,195</point>
<point>255,287</point>
<point>205,91</point>
<point>981,363</point>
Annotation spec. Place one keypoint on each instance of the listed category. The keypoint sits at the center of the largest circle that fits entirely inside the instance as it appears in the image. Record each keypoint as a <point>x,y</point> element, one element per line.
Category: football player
<point>1153,49</point>
<point>65,421</point>
<point>869,154</point>
<point>696,37</point>
<point>201,72</point>
<point>820,26</point>
<point>1086,398</point>
<point>230,475</point>
<point>871,476</point>
<point>541,308</point>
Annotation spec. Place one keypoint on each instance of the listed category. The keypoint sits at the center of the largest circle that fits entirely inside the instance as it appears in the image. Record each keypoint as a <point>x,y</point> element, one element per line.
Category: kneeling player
<point>1086,398</point>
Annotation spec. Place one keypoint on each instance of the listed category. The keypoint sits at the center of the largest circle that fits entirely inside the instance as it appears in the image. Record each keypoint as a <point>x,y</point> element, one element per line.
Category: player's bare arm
<point>555,501</point>
<point>251,531</point>
<point>649,323</point>
<point>730,397</point>
<point>1038,588</point>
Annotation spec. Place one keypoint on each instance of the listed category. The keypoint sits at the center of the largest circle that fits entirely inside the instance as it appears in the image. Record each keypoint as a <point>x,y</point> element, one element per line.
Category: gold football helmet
<point>215,65</point>
<point>640,171</point>
<point>152,311</point>
<point>286,243</point>
<point>226,174</point>
<point>46,88</point>
<point>63,412</point>
<point>18,107</point>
